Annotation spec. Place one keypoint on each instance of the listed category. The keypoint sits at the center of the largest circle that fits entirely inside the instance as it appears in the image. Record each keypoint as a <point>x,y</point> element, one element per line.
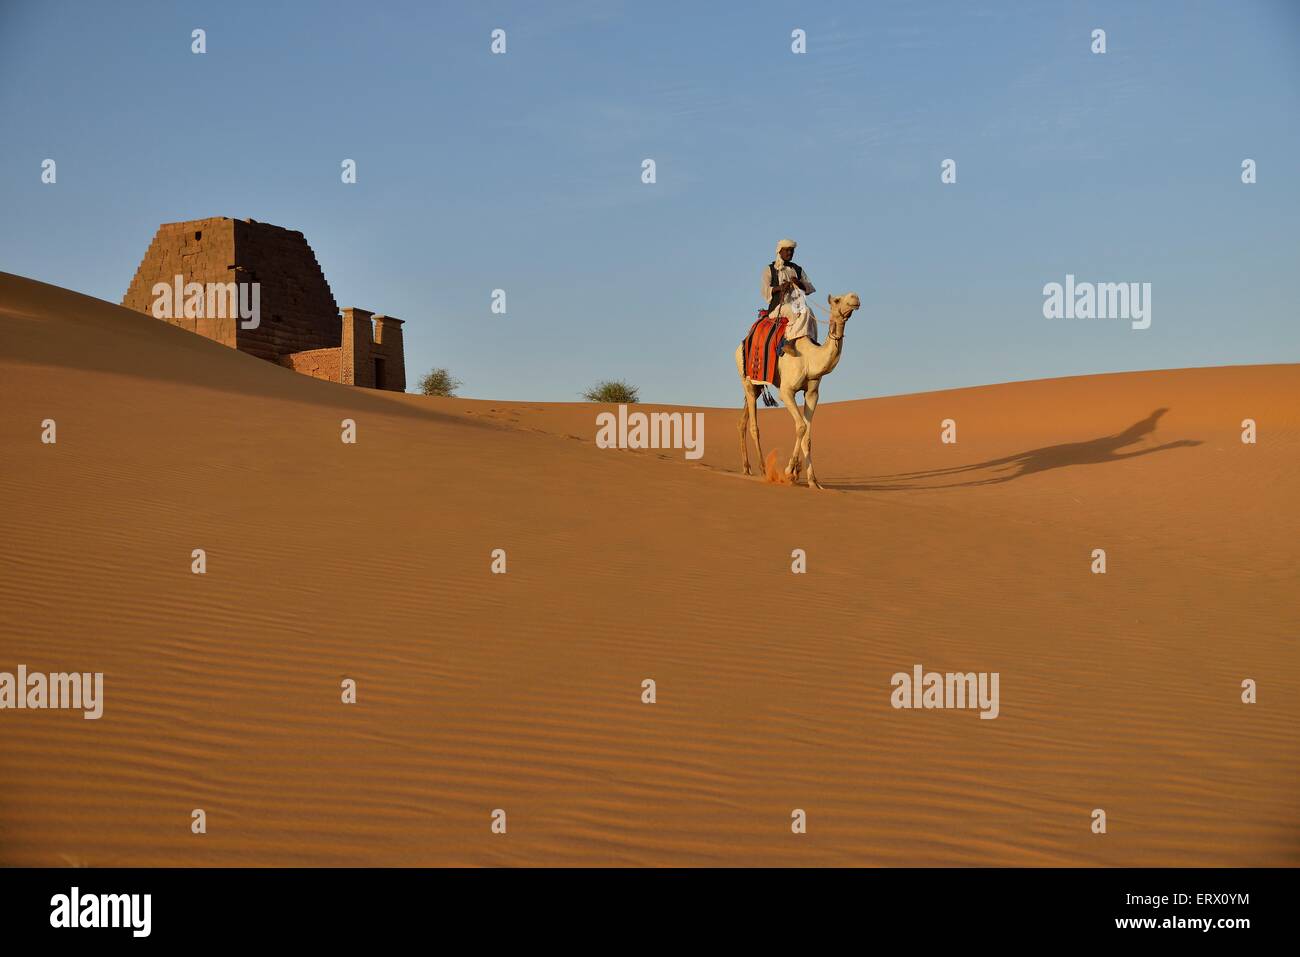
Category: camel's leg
<point>809,407</point>
<point>748,414</point>
<point>800,429</point>
<point>748,417</point>
<point>754,392</point>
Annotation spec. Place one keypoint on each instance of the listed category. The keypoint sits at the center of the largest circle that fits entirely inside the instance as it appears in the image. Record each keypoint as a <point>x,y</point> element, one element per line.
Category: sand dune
<point>522,691</point>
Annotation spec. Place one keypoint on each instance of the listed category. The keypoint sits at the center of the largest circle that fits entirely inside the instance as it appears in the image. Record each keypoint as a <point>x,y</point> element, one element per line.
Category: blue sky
<point>523,172</point>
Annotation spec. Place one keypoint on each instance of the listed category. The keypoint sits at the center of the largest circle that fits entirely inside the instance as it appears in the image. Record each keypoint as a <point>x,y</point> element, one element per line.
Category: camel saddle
<point>762,348</point>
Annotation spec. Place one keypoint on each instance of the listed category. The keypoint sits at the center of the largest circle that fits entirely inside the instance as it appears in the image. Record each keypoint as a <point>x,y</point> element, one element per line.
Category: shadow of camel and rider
<point>1092,452</point>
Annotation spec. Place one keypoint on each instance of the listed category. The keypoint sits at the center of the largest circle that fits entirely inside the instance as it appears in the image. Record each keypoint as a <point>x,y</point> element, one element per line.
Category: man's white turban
<point>783,244</point>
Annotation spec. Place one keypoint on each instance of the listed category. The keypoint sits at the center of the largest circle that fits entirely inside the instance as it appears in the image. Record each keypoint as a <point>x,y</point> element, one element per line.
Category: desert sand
<point>522,691</point>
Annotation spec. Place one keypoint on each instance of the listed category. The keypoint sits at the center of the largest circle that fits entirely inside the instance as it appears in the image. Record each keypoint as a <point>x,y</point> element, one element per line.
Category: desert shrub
<point>612,390</point>
<point>439,382</point>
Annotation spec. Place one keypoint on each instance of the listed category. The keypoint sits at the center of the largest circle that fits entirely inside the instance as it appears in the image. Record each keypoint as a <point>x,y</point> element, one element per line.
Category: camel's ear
<point>832,300</point>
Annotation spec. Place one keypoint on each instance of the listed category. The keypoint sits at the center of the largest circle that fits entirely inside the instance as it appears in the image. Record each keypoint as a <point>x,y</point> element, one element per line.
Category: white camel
<point>798,373</point>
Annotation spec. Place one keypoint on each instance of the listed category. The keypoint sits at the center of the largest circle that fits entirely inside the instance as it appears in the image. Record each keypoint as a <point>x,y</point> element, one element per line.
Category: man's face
<point>787,253</point>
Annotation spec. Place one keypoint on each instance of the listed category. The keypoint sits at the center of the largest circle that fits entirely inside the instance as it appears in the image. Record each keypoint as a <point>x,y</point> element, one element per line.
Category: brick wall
<point>357,367</point>
<point>300,325</point>
<point>202,251</point>
<point>367,337</point>
<point>388,344</point>
<point>318,363</point>
<point>297,309</point>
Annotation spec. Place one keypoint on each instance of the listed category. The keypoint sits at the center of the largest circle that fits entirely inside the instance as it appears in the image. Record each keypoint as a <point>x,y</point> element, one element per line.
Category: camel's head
<point>844,305</point>
<point>841,308</point>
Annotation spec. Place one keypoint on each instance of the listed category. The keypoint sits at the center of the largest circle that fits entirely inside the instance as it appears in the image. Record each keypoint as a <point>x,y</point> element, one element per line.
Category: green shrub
<point>439,382</point>
<point>612,390</point>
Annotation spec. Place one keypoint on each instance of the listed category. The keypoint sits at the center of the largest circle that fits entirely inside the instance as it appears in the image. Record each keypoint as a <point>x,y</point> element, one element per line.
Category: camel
<point>800,372</point>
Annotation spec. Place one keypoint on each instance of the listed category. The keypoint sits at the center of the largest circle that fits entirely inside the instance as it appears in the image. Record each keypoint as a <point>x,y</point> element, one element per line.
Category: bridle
<point>831,325</point>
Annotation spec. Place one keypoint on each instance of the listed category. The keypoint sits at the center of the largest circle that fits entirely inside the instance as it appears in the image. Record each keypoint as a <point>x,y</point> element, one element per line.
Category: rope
<point>812,314</point>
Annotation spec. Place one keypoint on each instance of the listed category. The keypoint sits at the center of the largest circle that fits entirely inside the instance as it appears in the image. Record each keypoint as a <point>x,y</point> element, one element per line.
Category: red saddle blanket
<point>762,348</point>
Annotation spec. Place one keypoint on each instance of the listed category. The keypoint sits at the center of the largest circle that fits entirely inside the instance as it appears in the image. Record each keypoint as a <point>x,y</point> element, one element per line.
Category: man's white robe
<point>802,322</point>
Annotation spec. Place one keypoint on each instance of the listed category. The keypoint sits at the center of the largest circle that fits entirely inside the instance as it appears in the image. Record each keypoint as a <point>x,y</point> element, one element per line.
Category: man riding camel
<point>784,286</point>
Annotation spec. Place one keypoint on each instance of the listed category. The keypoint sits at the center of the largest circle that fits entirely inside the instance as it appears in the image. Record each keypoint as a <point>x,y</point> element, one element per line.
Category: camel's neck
<point>823,358</point>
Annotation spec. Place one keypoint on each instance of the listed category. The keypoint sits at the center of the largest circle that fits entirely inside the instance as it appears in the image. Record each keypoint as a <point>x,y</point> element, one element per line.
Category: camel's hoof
<point>747,471</point>
<point>817,485</point>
